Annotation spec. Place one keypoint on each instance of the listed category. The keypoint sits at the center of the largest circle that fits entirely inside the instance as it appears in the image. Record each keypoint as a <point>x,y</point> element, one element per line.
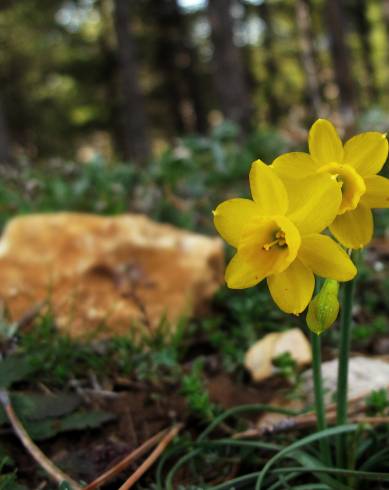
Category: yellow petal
<point>231,216</point>
<point>366,152</point>
<point>294,165</point>
<point>324,143</point>
<point>269,244</point>
<point>240,274</point>
<point>377,192</point>
<point>326,258</point>
<point>267,189</point>
<point>354,229</point>
<point>292,289</point>
<point>314,202</point>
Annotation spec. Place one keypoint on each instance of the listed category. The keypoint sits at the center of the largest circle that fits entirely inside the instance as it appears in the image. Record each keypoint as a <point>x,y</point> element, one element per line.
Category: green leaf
<point>363,475</point>
<point>312,486</point>
<point>7,482</point>
<point>309,461</point>
<point>64,486</point>
<point>301,443</point>
<point>44,429</point>
<point>13,369</point>
<point>38,407</point>
<point>381,456</point>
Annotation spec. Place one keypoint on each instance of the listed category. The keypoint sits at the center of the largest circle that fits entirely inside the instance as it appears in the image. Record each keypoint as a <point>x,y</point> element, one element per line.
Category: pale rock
<point>106,274</point>
<point>365,375</point>
<point>259,358</point>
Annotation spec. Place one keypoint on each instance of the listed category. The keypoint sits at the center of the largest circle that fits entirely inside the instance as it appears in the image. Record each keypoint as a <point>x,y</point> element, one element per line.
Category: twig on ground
<point>51,469</point>
<point>125,462</point>
<point>356,406</point>
<point>308,420</point>
<point>371,420</point>
<point>152,458</point>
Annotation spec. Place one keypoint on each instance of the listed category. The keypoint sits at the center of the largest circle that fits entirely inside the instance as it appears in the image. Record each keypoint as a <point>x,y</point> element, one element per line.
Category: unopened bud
<point>324,308</point>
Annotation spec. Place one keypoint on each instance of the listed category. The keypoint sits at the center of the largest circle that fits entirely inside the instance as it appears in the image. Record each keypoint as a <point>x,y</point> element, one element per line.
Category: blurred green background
<point>159,106</point>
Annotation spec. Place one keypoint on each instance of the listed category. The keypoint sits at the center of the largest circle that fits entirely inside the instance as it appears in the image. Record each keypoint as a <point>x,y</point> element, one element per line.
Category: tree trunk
<point>385,12</point>
<point>108,46</point>
<point>274,109</point>
<point>341,60</point>
<point>5,147</point>
<point>135,138</point>
<point>177,60</point>
<point>362,26</point>
<point>230,84</point>
<point>308,54</point>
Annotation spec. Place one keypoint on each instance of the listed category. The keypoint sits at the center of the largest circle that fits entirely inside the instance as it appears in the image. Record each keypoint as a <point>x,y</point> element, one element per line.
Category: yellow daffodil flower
<point>281,243</point>
<point>354,166</point>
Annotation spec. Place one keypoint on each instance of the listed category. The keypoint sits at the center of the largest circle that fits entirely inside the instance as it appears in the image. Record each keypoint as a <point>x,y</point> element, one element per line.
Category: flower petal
<point>377,192</point>
<point>326,258</point>
<point>366,152</point>
<point>267,189</point>
<point>354,229</point>
<point>292,289</point>
<point>314,202</point>
<point>231,216</point>
<point>294,165</point>
<point>240,274</point>
<point>324,143</point>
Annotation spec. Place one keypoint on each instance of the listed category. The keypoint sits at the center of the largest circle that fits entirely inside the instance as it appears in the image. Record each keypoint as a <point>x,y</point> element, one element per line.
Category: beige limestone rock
<point>106,273</point>
<point>259,357</point>
<point>365,374</point>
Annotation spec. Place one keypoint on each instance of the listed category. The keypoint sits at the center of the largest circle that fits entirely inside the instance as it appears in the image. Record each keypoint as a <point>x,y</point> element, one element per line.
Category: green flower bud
<point>324,308</point>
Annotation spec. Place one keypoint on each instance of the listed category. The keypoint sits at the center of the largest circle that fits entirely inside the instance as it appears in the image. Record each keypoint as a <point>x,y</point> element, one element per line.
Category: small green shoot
<point>196,394</point>
<point>377,403</point>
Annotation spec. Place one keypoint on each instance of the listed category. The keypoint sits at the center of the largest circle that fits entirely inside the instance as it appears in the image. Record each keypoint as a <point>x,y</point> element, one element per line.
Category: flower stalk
<point>319,397</point>
<point>344,353</point>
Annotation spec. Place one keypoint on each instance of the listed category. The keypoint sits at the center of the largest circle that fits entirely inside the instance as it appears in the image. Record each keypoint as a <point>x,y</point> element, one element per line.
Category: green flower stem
<point>342,387</point>
<point>319,397</point>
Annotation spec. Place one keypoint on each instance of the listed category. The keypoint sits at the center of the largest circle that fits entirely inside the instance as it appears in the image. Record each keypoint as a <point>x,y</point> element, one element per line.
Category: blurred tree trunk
<point>230,83</point>
<point>108,47</point>
<point>341,59</point>
<point>177,60</point>
<point>385,11</point>
<point>135,138</point>
<point>359,10</point>
<point>5,147</point>
<point>308,54</point>
<point>270,63</point>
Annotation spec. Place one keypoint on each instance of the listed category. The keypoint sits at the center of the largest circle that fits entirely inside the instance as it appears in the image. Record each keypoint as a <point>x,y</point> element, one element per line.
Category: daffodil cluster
<point>278,235</point>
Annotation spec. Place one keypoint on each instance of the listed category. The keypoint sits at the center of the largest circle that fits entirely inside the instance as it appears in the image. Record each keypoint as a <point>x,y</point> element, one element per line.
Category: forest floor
<point>88,405</point>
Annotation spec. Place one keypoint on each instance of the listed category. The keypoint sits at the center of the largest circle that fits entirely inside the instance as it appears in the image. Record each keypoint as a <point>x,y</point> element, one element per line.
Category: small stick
<point>303,422</point>
<point>152,458</point>
<point>372,420</point>
<point>307,419</point>
<point>53,471</point>
<point>137,453</point>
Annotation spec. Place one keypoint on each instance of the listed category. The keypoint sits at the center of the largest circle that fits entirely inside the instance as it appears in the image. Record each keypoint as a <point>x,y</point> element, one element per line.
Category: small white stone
<point>259,358</point>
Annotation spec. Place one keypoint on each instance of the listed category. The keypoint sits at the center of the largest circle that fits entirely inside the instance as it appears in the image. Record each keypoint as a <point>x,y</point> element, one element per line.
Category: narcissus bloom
<point>354,166</point>
<point>280,242</point>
